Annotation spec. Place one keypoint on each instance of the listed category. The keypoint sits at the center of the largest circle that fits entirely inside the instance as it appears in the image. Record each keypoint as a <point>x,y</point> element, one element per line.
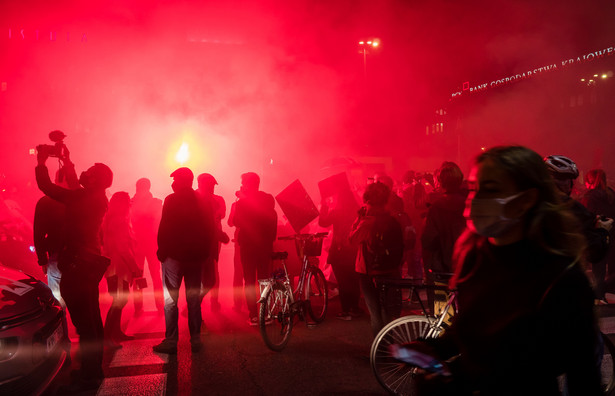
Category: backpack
<point>383,252</point>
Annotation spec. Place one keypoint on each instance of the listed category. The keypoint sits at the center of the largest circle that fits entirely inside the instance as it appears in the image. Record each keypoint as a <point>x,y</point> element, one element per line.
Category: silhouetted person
<point>340,212</point>
<point>380,241</point>
<point>522,291</point>
<point>596,231</point>
<point>600,199</point>
<point>256,219</point>
<point>118,245</point>
<point>396,208</point>
<point>185,237</point>
<point>238,292</point>
<point>80,262</point>
<point>444,224</point>
<point>210,282</point>
<point>145,216</point>
<point>49,229</point>
<point>415,199</point>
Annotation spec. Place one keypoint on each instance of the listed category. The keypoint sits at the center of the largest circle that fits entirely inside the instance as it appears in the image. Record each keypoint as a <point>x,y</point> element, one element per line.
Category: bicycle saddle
<point>279,255</point>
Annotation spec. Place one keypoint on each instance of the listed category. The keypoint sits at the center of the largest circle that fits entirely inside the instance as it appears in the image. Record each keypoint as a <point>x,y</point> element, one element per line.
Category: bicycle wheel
<point>317,295</point>
<point>608,368</point>
<point>397,377</point>
<point>275,319</point>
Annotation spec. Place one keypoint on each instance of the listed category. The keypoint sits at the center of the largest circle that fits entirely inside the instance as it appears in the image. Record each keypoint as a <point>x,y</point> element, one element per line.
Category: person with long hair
<point>119,246</point>
<point>525,306</point>
<point>600,199</point>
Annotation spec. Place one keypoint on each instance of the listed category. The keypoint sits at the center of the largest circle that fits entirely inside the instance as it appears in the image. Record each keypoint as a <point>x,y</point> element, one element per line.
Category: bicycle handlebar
<point>410,283</point>
<point>304,236</point>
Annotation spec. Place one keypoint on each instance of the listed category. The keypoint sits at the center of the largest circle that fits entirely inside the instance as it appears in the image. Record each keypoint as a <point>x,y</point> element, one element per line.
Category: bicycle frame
<point>439,319</point>
<point>296,295</point>
<point>266,284</point>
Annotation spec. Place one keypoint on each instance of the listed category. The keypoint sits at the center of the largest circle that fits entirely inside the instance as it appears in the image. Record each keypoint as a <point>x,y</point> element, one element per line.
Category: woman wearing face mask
<point>525,305</point>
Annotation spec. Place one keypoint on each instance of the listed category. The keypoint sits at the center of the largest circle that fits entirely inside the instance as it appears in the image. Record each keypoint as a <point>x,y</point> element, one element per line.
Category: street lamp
<point>365,46</point>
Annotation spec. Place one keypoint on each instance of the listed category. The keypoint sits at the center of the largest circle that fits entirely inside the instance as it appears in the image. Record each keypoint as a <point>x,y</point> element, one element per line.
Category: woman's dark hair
<point>550,224</point>
<point>450,177</point>
<point>119,204</point>
<point>376,194</point>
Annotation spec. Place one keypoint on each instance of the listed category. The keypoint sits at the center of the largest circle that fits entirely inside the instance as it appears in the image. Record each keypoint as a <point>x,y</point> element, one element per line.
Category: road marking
<point>137,352</point>
<point>141,385</point>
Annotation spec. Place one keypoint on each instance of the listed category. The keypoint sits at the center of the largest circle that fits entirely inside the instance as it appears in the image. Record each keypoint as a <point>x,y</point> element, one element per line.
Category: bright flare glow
<point>183,154</point>
<point>375,43</point>
<point>595,75</point>
<point>361,42</point>
<point>369,42</point>
<point>604,76</point>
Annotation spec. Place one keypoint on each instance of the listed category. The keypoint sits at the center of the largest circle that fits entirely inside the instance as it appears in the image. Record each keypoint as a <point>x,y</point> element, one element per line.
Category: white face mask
<point>486,216</point>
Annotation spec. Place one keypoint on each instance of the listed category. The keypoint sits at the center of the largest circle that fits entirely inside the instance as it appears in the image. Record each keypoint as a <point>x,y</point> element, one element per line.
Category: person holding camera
<point>80,261</point>
<point>48,226</point>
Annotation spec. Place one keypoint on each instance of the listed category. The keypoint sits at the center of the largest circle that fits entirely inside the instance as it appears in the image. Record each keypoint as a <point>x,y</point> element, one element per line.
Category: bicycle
<point>280,305</point>
<point>399,378</point>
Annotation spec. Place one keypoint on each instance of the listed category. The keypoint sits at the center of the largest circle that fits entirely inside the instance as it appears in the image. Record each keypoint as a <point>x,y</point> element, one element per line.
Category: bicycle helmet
<point>562,167</point>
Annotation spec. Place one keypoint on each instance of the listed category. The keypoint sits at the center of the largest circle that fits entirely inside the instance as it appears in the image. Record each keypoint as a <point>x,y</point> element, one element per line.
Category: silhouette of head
<point>376,194</point>
<point>206,182</point>
<point>563,170</point>
<point>143,185</point>
<point>450,177</point>
<point>250,182</point>
<point>384,179</point>
<point>119,204</point>
<point>182,179</point>
<point>97,177</point>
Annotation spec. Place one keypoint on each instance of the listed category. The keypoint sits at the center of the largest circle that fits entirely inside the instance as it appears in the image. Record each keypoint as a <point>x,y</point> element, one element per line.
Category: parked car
<point>34,341</point>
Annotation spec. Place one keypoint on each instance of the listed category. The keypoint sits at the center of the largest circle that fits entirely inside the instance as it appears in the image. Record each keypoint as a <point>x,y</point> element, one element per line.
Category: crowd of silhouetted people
<point>515,237</point>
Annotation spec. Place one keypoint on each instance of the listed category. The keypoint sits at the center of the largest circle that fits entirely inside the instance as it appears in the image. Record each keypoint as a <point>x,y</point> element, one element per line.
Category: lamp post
<point>364,47</point>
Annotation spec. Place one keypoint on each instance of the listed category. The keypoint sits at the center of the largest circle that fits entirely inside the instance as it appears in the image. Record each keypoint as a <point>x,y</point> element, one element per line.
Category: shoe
<point>343,316</point>
<point>356,312</point>
<point>167,347</point>
<point>196,347</point>
<point>253,321</point>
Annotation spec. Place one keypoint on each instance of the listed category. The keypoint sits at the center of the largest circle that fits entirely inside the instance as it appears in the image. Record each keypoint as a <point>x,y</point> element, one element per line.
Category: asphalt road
<point>329,359</point>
